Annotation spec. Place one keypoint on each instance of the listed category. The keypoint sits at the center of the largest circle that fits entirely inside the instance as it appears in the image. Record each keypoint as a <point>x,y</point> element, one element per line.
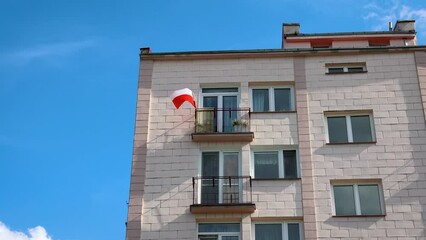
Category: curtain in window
<point>260,100</point>
<point>206,121</point>
<point>266,165</point>
<point>268,231</point>
<point>282,98</point>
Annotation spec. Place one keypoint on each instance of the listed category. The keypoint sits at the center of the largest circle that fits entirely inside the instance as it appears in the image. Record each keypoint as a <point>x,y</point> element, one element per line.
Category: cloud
<point>409,13</point>
<point>36,233</point>
<point>380,15</point>
<point>48,51</point>
<point>370,15</point>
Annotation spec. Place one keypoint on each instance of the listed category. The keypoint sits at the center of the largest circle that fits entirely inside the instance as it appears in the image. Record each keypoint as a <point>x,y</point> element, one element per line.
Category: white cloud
<point>380,15</point>
<point>48,51</point>
<point>418,14</point>
<point>36,233</point>
<point>370,15</point>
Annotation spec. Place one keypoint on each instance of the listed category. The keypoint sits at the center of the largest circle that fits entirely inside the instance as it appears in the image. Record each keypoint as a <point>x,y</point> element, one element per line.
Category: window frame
<point>221,170</point>
<point>357,200</point>
<point>220,95</point>
<point>219,234</point>
<point>281,170</point>
<point>349,131</point>
<point>284,228</point>
<point>345,67</point>
<point>271,98</point>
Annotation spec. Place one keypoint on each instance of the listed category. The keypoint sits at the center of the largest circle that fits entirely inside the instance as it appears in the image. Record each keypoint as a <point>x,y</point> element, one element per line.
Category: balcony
<point>232,194</point>
<point>222,125</point>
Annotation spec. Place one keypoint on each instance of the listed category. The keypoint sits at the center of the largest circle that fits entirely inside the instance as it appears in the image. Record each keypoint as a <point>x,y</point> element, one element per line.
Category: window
<point>358,199</point>
<point>215,190</point>
<point>277,99</point>
<point>333,68</point>
<point>220,98</point>
<point>378,43</point>
<point>219,231</point>
<point>278,231</point>
<point>275,164</point>
<point>350,128</point>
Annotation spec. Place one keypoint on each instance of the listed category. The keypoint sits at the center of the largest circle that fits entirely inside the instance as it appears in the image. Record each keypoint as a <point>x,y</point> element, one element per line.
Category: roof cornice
<point>272,53</point>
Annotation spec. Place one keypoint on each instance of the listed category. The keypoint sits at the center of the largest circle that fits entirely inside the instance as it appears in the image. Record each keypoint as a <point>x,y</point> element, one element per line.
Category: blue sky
<point>68,78</point>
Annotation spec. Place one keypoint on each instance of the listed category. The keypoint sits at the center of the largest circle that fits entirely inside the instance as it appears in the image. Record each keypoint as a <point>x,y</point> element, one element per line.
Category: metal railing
<point>217,190</point>
<point>225,120</point>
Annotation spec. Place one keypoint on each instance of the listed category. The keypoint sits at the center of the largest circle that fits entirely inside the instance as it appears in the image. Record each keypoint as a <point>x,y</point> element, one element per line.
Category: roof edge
<point>270,52</point>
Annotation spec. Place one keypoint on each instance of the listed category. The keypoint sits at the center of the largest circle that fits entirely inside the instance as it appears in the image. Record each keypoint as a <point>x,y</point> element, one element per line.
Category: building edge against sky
<point>324,138</point>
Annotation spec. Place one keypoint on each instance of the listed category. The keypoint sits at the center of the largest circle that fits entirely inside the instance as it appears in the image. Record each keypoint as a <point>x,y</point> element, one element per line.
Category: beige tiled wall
<point>173,159</point>
<point>390,89</point>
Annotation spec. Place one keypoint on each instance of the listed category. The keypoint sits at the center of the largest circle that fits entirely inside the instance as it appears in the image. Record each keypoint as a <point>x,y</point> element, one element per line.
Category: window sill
<point>276,179</point>
<point>290,111</point>
<point>360,216</point>
<point>349,143</point>
<point>338,73</point>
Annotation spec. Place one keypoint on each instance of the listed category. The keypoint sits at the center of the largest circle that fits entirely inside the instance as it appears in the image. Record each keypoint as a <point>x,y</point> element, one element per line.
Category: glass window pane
<point>355,69</point>
<point>230,238</point>
<point>209,186</point>
<point>207,121</point>
<point>229,102</point>
<point>337,130</point>
<point>231,187</point>
<point>260,100</point>
<point>293,231</point>
<point>282,97</point>
<point>290,164</point>
<point>219,90</point>
<point>210,164</point>
<point>208,237</point>
<point>268,231</point>
<point>210,102</point>
<point>266,165</point>
<point>344,200</point>
<point>335,70</point>
<point>361,128</point>
<point>218,227</point>
<point>230,164</point>
<point>369,199</point>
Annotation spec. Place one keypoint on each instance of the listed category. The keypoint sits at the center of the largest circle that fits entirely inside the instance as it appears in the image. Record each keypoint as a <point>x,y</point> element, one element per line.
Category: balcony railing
<point>222,194</point>
<point>222,124</point>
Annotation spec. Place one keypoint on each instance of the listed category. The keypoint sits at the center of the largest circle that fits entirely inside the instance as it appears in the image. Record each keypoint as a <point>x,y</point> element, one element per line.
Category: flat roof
<point>145,54</point>
<point>349,33</point>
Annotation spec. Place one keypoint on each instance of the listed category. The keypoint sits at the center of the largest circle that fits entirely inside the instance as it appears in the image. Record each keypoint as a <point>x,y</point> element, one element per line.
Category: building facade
<point>324,138</point>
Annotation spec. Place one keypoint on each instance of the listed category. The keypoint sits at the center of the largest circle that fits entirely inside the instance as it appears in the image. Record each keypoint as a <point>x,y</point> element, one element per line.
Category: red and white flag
<point>180,96</point>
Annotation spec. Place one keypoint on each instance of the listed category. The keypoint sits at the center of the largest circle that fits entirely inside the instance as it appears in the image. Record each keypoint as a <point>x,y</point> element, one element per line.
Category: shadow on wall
<point>403,175</point>
<point>167,183</point>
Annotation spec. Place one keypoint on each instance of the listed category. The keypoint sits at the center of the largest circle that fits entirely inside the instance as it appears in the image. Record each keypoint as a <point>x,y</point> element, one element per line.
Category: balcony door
<point>220,183</point>
<point>221,98</point>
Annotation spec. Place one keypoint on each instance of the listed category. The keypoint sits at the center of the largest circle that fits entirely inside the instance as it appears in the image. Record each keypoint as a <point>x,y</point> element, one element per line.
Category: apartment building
<point>323,138</point>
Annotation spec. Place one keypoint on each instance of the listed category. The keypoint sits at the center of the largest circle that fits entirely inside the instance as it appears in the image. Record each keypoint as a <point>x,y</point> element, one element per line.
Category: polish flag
<point>180,96</point>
